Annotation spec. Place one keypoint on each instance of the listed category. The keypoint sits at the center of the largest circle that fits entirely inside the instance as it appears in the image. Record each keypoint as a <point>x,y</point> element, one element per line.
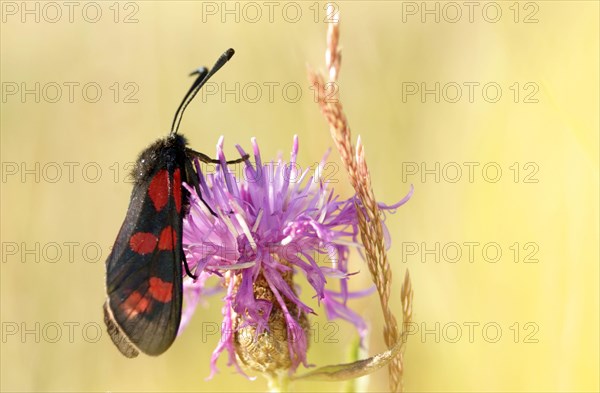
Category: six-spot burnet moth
<point>143,271</point>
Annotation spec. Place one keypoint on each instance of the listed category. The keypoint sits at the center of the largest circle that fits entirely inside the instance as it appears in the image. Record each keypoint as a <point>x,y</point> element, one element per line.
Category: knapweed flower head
<point>273,223</point>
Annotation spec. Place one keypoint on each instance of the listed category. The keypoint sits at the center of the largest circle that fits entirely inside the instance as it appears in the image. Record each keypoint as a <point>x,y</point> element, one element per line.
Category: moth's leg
<point>204,158</point>
<point>192,178</point>
<point>186,267</point>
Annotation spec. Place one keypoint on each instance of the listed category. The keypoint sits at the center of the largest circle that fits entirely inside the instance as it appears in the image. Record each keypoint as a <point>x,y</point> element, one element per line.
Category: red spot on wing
<point>135,304</point>
<point>161,290</point>
<point>177,189</point>
<point>143,242</point>
<point>159,189</point>
<point>168,238</point>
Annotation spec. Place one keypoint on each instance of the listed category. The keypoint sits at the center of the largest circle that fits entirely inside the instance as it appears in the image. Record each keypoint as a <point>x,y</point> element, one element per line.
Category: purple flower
<point>273,221</point>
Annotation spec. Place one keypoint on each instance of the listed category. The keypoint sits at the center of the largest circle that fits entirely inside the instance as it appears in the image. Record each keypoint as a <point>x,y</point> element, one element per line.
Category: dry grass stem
<point>369,214</point>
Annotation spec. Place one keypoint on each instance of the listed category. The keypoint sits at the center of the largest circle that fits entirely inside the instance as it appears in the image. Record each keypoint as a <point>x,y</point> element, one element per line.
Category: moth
<point>144,269</point>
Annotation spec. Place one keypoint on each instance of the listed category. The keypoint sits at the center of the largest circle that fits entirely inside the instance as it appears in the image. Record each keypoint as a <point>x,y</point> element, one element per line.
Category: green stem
<point>279,383</point>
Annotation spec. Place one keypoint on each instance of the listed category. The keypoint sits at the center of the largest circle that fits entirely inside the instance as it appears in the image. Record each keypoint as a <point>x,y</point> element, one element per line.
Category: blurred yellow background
<point>522,320</point>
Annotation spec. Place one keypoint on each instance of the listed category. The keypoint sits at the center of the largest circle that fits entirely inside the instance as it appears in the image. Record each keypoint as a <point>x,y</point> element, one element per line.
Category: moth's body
<point>143,284</point>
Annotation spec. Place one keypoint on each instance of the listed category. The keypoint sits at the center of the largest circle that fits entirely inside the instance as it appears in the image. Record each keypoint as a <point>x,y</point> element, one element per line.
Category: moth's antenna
<point>202,71</point>
<point>203,76</point>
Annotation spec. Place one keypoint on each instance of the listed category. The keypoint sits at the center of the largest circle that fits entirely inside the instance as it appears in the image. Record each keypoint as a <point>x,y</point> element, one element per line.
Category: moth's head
<point>176,141</point>
<point>163,153</point>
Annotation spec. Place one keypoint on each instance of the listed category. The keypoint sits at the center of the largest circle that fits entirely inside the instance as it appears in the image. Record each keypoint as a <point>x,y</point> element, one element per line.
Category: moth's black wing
<point>144,274</point>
